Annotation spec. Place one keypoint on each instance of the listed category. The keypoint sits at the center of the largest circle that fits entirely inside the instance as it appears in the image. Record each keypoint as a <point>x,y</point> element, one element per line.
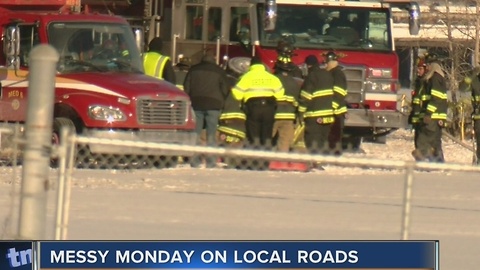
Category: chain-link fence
<point>10,171</point>
<point>75,153</point>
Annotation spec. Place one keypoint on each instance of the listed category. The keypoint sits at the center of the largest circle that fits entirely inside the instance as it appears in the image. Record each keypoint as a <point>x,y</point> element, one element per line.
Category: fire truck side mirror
<point>414,18</point>
<point>11,45</point>
<point>270,15</point>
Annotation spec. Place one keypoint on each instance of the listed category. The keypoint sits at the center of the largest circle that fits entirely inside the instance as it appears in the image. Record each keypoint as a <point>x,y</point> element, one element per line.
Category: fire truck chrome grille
<point>162,112</point>
<point>355,83</point>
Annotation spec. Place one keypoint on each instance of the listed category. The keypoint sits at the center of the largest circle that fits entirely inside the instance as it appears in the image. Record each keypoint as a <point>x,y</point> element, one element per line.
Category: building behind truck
<point>100,88</point>
<point>360,31</point>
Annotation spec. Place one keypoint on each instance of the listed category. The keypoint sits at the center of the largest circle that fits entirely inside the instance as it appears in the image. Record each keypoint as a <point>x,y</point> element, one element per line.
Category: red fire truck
<point>100,89</point>
<point>360,31</point>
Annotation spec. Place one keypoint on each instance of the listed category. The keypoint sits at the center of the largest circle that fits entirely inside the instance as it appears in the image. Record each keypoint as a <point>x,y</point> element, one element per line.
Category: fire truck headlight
<point>385,73</point>
<point>379,86</point>
<point>106,113</point>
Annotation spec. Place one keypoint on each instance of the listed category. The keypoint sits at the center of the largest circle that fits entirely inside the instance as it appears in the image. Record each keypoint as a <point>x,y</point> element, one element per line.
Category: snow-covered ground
<point>219,204</point>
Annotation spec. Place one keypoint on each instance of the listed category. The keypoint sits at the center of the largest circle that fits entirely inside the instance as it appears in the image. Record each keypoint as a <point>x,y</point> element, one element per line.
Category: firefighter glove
<point>427,119</point>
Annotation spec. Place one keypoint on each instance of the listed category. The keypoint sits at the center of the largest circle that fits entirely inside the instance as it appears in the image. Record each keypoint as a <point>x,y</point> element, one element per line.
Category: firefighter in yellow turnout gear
<point>259,90</point>
<point>231,125</point>
<point>473,84</point>
<point>419,97</point>
<point>316,104</point>
<point>286,113</point>
<point>430,137</point>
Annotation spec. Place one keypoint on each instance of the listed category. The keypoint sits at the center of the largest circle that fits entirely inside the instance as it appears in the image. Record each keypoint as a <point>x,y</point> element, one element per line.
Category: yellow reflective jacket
<point>258,82</point>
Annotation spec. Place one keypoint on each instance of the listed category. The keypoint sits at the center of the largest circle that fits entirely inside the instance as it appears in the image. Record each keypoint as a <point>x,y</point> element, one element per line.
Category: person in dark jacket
<point>430,137</point>
<point>339,103</point>
<point>156,64</point>
<point>206,84</point>
<point>316,103</point>
<point>286,112</point>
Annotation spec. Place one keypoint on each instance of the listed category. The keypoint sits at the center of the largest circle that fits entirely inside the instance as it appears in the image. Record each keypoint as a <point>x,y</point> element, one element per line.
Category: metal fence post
<point>38,136</point>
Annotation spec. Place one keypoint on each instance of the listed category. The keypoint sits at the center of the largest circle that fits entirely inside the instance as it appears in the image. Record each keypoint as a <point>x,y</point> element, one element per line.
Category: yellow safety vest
<point>154,63</point>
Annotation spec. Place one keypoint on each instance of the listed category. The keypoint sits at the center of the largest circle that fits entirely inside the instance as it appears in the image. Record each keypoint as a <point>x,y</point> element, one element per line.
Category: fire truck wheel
<point>58,124</point>
<point>376,139</point>
<point>352,143</point>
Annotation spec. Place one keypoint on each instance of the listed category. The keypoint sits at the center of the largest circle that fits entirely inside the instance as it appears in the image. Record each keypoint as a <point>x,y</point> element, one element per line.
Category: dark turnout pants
<point>429,142</point>
<point>260,114</point>
<point>476,127</point>
<point>336,134</point>
<point>316,136</point>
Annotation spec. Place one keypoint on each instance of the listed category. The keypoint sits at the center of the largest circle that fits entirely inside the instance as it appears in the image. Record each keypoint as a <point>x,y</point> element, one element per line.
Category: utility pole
<point>38,136</point>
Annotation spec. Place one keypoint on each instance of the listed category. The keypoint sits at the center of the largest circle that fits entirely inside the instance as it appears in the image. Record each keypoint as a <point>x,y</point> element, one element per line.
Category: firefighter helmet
<point>284,48</point>
<point>330,56</point>
<point>431,57</point>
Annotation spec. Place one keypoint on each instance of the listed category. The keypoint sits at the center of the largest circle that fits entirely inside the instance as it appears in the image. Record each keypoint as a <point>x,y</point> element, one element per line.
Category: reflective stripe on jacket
<point>316,97</point>
<point>256,83</point>
<point>339,91</point>
<point>437,106</point>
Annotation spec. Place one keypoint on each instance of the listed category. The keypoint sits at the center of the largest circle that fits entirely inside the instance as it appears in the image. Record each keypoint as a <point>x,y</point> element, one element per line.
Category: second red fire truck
<point>360,31</point>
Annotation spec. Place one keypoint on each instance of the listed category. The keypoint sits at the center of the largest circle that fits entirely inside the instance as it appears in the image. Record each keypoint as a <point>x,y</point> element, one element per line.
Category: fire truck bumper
<point>145,136</point>
<point>375,119</point>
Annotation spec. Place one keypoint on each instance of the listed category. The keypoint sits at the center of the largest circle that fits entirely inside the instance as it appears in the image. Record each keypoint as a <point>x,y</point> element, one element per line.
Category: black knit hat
<point>311,60</point>
<point>156,44</point>
<point>255,60</point>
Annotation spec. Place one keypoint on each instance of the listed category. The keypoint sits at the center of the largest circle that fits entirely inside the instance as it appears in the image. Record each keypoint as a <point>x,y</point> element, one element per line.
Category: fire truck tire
<point>352,143</point>
<point>58,124</point>
<point>376,139</point>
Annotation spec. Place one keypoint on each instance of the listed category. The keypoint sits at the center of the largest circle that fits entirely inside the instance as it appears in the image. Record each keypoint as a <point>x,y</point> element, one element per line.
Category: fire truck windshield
<point>94,47</point>
<point>331,27</point>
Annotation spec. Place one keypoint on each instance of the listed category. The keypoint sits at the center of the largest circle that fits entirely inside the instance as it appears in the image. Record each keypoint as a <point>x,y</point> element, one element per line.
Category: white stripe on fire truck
<point>77,86</point>
<point>381,97</point>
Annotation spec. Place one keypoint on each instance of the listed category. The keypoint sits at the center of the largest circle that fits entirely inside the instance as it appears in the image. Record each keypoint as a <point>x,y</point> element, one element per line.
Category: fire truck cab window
<point>239,24</point>
<point>214,23</point>
<point>194,26</point>
<point>28,39</point>
<point>328,27</point>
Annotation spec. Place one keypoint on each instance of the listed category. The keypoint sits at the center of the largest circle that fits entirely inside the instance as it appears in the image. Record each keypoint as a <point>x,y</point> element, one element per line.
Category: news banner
<point>45,255</point>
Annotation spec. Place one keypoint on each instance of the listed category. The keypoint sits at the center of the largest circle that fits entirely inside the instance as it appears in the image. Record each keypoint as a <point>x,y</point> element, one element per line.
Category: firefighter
<point>285,53</point>
<point>287,105</point>
<point>419,96</point>
<point>316,99</point>
<point>156,64</point>
<point>429,139</point>
<point>473,83</point>
<point>231,125</point>
<point>258,90</point>
<point>339,103</point>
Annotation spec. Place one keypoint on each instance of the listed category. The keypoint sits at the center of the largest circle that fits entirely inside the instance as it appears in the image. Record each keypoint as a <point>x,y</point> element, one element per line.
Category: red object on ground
<point>288,166</point>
